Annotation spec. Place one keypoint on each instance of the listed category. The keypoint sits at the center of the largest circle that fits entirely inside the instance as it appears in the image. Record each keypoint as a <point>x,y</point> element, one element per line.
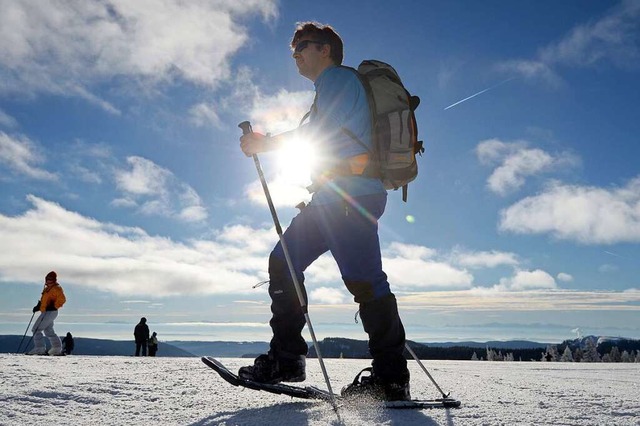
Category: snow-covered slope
<point>86,390</point>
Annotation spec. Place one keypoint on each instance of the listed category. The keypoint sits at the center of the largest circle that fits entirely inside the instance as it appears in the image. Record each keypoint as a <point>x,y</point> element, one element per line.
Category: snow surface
<point>95,390</point>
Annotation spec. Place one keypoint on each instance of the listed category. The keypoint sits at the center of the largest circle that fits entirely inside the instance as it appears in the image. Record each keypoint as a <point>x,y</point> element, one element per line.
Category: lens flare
<point>295,161</point>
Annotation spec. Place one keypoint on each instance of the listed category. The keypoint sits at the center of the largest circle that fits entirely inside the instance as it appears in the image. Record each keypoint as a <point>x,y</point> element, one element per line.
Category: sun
<point>295,161</point>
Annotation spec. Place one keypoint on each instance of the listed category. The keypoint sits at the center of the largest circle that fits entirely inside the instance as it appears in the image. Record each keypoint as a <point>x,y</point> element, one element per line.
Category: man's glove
<point>37,307</point>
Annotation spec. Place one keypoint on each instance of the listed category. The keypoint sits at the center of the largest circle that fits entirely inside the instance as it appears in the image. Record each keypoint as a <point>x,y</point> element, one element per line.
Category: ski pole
<point>413,354</point>
<point>25,333</point>
<point>246,129</point>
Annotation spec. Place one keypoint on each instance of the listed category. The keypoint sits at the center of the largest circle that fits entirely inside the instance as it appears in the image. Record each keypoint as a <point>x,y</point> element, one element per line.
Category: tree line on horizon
<point>586,350</point>
<point>578,350</point>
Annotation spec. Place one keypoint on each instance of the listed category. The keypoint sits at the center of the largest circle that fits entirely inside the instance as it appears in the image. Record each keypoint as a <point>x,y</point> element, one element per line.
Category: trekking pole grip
<point>246,127</point>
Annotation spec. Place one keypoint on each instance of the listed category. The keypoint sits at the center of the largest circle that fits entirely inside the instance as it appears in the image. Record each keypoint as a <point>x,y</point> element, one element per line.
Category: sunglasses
<point>304,43</point>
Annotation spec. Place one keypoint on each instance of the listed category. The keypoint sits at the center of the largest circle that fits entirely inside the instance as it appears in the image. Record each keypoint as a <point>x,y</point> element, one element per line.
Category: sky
<point>120,165</point>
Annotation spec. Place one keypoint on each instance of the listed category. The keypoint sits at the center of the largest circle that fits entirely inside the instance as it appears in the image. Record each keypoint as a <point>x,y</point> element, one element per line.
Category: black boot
<point>382,323</point>
<point>271,369</point>
<point>372,387</point>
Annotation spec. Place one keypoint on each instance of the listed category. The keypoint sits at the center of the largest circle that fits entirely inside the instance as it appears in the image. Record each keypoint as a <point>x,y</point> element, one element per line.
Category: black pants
<point>142,345</point>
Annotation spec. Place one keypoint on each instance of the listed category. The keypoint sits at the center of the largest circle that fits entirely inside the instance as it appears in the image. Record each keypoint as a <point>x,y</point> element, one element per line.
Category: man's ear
<point>326,50</point>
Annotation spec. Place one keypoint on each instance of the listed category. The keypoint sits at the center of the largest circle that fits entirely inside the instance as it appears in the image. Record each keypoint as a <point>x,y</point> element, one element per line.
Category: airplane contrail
<point>479,93</point>
<point>615,254</point>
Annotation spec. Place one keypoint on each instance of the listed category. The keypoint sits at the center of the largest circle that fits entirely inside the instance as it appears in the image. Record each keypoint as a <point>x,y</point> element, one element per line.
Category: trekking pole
<point>246,129</point>
<point>413,354</point>
<point>25,333</point>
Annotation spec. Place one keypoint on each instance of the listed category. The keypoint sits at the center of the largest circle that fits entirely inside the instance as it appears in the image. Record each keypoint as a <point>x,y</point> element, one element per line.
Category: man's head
<point>315,47</point>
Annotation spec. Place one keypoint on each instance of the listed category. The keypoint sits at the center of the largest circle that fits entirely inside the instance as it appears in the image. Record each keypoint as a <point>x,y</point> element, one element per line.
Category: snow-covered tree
<point>474,357</point>
<point>590,352</point>
<point>626,357</point>
<point>509,357</point>
<point>577,355</point>
<point>567,356</point>
<point>637,356</point>
<point>492,355</point>
<point>615,354</point>
<point>552,352</point>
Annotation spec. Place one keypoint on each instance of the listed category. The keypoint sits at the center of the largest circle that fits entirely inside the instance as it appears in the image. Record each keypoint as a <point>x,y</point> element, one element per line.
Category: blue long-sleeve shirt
<point>341,103</point>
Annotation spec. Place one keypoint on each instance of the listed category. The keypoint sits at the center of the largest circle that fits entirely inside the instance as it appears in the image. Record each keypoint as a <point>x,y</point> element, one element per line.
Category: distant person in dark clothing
<point>153,344</point>
<point>67,343</point>
<point>141,333</point>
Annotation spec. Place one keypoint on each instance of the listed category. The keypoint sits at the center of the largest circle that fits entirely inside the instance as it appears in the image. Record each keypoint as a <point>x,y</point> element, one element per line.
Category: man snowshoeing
<point>52,299</point>
<point>342,218</point>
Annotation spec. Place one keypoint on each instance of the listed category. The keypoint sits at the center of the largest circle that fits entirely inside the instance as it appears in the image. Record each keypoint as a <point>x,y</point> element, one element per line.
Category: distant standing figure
<point>141,333</point>
<point>153,344</point>
<point>52,299</point>
<point>67,341</point>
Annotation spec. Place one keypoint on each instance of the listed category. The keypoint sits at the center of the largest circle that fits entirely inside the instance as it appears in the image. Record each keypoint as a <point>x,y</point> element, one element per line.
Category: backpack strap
<point>312,109</point>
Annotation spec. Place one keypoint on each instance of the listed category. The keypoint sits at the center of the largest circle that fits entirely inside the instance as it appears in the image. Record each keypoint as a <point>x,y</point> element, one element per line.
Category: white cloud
<point>528,280</point>
<point>89,253</point>
<point>607,268</point>
<point>157,191</point>
<point>6,120</point>
<point>589,215</point>
<point>564,277</point>
<point>21,155</point>
<point>411,266</point>
<point>65,46</point>
<point>494,299</point>
<point>484,259</point>
<point>612,39</point>
<point>329,296</point>
<point>204,114</point>
<point>144,178</point>
<point>516,162</point>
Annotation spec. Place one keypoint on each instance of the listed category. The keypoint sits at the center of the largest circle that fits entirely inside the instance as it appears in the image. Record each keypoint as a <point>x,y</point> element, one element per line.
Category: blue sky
<point>120,166</point>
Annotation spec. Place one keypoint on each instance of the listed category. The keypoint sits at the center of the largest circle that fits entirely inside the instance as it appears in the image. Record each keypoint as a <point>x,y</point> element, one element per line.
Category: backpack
<point>394,126</point>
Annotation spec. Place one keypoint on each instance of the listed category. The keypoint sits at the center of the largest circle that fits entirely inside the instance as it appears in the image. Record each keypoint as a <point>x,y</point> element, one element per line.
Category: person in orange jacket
<point>52,299</point>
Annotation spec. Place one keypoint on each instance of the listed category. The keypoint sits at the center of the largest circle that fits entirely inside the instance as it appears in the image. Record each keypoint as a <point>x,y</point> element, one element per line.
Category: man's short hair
<point>323,33</point>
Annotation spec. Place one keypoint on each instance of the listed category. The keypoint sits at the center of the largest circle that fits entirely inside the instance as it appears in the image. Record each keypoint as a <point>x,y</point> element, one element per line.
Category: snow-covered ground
<point>86,390</point>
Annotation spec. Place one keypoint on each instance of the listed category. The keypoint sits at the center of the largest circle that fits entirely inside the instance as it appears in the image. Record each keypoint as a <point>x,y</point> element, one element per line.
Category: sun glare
<point>295,161</point>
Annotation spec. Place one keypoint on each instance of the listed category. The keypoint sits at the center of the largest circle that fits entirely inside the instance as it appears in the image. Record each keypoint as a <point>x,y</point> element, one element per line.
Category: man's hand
<point>254,143</point>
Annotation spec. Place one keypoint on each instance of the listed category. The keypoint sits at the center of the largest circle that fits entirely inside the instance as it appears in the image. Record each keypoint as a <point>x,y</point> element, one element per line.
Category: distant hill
<point>494,344</point>
<point>331,347</point>
<point>86,346</point>
<point>334,347</point>
<point>223,349</point>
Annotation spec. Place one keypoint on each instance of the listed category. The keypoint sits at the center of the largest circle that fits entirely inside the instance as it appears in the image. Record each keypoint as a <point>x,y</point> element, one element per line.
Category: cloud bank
<point>23,157</point>
<point>613,39</point>
<point>516,161</point>
<point>585,214</point>
<point>65,47</point>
